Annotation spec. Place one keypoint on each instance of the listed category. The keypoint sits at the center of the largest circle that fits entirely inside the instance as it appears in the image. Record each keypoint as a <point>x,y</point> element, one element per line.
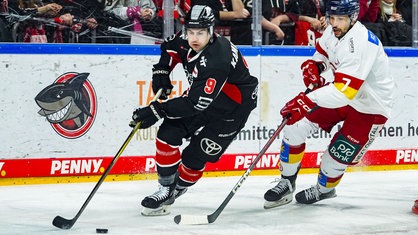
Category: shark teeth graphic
<point>60,114</point>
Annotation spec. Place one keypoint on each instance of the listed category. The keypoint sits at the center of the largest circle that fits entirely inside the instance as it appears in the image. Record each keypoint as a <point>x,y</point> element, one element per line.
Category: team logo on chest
<point>203,61</point>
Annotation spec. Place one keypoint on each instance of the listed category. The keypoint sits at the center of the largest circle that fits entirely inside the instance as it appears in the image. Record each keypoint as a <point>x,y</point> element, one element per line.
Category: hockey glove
<point>148,116</point>
<point>311,71</point>
<point>161,80</point>
<point>297,108</point>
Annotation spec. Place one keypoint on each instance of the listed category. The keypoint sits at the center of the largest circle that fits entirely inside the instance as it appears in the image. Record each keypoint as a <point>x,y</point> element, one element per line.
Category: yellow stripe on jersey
<point>348,85</point>
<point>349,92</point>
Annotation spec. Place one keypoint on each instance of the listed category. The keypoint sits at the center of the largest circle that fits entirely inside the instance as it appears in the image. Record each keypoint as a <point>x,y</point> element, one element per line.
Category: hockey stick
<point>63,223</point>
<point>208,219</point>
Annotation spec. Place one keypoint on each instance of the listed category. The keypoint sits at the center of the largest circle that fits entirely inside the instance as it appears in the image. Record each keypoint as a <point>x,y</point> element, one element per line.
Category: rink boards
<point>43,142</point>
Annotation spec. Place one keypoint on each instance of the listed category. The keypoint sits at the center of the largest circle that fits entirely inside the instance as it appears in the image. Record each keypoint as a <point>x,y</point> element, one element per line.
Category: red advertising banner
<point>90,166</point>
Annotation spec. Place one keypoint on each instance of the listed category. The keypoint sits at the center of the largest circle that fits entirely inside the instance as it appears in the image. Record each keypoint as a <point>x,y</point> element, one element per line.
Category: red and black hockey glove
<point>148,116</point>
<point>297,108</point>
<point>161,80</point>
<point>311,71</point>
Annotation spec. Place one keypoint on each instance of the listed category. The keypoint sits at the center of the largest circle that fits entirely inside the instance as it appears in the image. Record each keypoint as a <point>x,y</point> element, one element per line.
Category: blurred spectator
<point>34,30</point>
<point>274,14</point>
<point>41,21</point>
<point>388,12</point>
<point>133,11</point>
<point>82,11</point>
<point>368,11</point>
<point>227,13</point>
<point>181,7</point>
<point>398,33</point>
<point>225,10</point>
<point>404,7</point>
<point>79,14</point>
<point>311,22</point>
<point>5,32</point>
<point>281,14</point>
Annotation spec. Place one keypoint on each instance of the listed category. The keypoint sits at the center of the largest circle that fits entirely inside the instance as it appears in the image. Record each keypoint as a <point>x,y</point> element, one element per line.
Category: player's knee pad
<point>202,150</point>
<point>167,158</point>
<point>330,172</point>
<point>345,150</point>
<point>188,176</point>
<point>290,158</point>
<point>297,133</point>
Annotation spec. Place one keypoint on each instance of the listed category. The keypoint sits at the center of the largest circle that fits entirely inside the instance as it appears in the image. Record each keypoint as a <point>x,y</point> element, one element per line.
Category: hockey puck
<point>101,230</point>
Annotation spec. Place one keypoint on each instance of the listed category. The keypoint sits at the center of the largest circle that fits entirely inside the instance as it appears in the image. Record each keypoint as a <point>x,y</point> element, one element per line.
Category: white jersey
<point>360,66</point>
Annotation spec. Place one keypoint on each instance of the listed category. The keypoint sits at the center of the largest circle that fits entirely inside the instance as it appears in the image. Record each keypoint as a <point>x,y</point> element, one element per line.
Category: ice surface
<point>367,203</point>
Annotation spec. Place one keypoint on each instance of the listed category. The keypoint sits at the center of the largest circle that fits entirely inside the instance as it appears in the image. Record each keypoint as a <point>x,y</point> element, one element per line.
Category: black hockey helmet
<point>200,16</point>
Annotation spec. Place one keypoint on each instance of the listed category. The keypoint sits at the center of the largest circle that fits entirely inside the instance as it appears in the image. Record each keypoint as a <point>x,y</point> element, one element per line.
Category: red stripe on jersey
<point>350,81</point>
<point>320,50</point>
<point>348,85</point>
<point>189,175</point>
<point>232,91</point>
<point>175,58</point>
<point>166,155</point>
<point>245,62</point>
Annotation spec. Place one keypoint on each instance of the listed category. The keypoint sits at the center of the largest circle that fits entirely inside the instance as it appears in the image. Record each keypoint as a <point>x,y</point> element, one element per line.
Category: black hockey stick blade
<point>63,223</point>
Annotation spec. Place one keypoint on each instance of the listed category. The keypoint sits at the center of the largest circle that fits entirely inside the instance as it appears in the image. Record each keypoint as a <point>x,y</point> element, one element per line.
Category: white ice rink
<point>367,203</point>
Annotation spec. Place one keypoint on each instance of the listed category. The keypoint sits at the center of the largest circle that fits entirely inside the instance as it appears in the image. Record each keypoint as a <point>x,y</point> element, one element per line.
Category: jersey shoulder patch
<point>372,38</point>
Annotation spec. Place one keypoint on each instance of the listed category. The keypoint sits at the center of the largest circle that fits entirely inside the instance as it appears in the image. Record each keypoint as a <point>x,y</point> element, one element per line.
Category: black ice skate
<point>179,191</point>
<point>159,202</point>
<point>312,195</point>
<point>281,194</point>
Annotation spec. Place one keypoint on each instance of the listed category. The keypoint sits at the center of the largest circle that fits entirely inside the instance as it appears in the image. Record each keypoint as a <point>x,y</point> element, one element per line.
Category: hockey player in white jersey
<point>360,96</point>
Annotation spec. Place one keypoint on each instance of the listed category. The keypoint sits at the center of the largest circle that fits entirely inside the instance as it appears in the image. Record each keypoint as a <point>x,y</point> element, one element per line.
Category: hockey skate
<point>159,202</point>
<point>279,195</point>
<point>179,191</point>
<point>312,195</point>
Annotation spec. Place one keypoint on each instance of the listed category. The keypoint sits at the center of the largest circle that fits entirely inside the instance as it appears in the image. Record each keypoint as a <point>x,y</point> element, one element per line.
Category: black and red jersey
<point>219,79</point>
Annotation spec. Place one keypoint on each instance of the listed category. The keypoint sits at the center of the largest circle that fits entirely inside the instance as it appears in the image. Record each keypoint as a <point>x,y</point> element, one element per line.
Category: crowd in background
<point>284,22</point>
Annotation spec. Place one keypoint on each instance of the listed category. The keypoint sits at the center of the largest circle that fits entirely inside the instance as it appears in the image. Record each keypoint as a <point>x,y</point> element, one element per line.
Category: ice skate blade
<point>160,211</point>
<point>285,200</point>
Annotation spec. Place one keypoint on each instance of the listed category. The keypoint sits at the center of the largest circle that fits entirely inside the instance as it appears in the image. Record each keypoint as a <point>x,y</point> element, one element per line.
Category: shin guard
<point>167,158</point>
<point>187,176</point>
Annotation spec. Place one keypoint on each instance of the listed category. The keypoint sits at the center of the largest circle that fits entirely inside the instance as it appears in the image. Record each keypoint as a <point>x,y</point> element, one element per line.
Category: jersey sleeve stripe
<point>320,50</point>
<point>348,85</point>
<point>233,92</point>
<point>175,58</point>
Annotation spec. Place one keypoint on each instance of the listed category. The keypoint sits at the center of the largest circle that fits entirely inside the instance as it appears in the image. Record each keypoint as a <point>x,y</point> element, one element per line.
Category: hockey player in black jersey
<point>211,112</point>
